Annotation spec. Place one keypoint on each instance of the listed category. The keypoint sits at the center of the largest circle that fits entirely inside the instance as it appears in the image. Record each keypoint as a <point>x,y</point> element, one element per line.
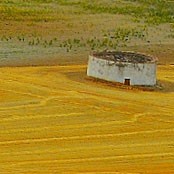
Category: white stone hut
<point>129,68</point>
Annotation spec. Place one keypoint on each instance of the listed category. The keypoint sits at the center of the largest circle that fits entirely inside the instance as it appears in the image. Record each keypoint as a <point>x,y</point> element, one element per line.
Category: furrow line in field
<point>104,172</point>
<point>166,145</point>
<point>23,93</point>
<point>92,159</point>
<point>71,126</point>
<point>31,85</point>
<point>38,104</point>
<point>132,102</point>
<point>28,117</point>
<point>38,140</point>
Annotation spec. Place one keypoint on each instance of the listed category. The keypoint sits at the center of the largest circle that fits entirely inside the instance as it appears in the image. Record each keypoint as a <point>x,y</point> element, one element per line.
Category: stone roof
<point>124,56</point>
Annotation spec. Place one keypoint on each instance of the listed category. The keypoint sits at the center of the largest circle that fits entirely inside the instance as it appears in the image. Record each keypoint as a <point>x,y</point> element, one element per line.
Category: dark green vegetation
<point>150,11</point>
<point>110,39</point>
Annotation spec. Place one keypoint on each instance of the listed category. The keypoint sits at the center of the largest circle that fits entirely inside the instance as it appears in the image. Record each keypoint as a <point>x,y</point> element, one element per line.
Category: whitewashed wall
<point>138,73</point>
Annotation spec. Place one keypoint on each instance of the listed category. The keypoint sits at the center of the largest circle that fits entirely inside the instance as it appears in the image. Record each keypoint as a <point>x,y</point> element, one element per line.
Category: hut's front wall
<point>138,74</point>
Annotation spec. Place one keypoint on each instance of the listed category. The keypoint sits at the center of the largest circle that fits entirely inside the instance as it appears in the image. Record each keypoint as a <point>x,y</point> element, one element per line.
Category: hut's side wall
<point>139,74</point>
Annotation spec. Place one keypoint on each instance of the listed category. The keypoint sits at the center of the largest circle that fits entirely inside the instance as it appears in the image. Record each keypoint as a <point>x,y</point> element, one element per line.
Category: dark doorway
<point>127,82</point>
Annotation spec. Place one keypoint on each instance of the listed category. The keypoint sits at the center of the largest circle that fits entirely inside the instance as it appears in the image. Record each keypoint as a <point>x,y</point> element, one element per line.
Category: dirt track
<point>54,120</point>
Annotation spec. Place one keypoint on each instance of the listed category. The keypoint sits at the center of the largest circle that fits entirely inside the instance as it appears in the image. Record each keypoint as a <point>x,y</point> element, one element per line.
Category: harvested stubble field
<point>53,118</point>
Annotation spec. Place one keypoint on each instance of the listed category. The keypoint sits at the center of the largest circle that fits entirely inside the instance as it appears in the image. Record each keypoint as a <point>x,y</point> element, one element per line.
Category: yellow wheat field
<point>54,120</point>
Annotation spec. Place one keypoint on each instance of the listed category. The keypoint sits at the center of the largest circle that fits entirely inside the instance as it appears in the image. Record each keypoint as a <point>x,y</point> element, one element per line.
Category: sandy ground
<point>54,120</point>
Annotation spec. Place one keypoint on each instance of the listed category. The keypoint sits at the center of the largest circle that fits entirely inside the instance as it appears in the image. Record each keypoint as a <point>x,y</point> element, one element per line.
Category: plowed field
<point>55,120</point>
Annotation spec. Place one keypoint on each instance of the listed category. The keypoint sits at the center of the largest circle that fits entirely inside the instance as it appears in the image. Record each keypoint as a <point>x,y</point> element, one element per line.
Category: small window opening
<point>127,82</point>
